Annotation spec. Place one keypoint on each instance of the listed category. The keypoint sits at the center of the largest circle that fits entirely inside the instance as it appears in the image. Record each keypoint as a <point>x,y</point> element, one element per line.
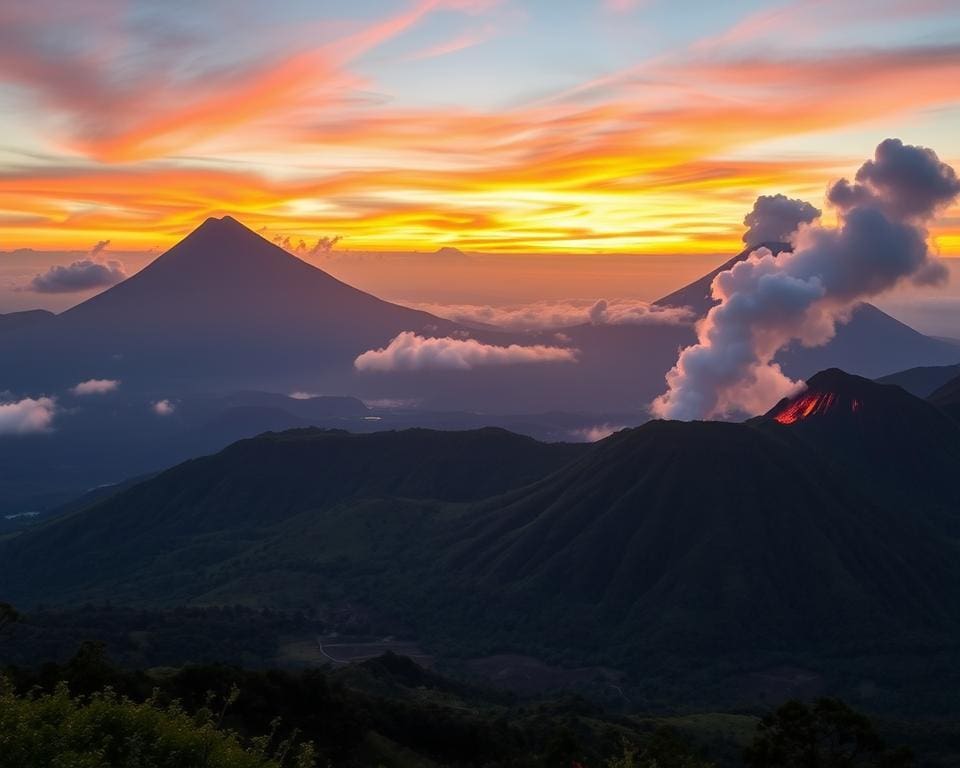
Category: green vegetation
<point>641,558</point>
<point>392,713</point>
<point>825,734</point>
<point>387,711</point>
<point>50,730</point>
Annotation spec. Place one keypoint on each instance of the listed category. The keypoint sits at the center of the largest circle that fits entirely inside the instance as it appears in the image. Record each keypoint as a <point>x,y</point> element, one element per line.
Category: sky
<point>551,134</point>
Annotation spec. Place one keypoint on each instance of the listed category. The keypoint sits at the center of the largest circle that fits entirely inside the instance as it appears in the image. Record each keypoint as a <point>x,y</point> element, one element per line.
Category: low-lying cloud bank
<point>563,314</point>
<point>95,387</point>
<point>412,352</point>
<point>27,416</point>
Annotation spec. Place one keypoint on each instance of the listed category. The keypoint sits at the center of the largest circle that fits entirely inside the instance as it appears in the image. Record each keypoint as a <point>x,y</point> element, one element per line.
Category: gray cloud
<point>82,275</point>
<point>903,181</point>
<point>775,218</point>
<point>99,247</point>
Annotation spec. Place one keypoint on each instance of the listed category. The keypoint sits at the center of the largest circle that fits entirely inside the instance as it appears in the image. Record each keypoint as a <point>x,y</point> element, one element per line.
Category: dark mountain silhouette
<point>16,320</point>
<point>922,381</point>
<point>664,547</point>
<point>223,305</point>
<point>903,449</point>
<point>947,397</point>
<point>265,482</point>
<point>225,310</point>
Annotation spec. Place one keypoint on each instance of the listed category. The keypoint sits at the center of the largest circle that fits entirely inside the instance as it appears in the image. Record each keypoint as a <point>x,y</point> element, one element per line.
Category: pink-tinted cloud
<point>597,432</point>
<point>411,352</point>
<point>27,416</point>
<point>163,407</point>
<point>95,387</point>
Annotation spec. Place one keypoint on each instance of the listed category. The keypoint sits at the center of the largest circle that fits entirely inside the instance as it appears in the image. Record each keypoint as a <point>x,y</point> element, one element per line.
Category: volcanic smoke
<point>766,302</point>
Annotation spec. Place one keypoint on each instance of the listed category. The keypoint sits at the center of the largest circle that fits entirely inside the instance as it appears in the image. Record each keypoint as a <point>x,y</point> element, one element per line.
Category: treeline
<point>87,712</point>
<point>139,638</point>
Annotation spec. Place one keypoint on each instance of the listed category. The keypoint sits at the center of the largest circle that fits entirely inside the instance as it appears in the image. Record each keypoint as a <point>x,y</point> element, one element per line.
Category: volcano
<point>897,447</point>
<point>224,303</point>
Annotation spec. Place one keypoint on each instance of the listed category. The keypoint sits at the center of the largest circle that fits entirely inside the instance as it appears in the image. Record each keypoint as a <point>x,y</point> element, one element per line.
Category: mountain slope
<point>697,295</point>
<point>208,510</point>
<point>16,320</point>
<point>692,537</point>
<point>904,450</point>
<point>224,302</point>
<point>672,537</point>
<point>922,381</point>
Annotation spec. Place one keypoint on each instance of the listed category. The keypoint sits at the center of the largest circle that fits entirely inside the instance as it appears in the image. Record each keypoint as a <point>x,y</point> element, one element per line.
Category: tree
<point>825,734</point>
<point>8,616</point>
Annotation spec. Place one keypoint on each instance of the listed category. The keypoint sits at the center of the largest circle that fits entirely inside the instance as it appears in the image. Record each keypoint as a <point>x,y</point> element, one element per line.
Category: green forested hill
<point>687,555</point>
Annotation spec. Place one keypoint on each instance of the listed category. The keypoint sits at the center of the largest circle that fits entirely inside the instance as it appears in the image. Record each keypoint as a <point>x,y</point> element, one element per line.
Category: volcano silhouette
<point>223,302</point>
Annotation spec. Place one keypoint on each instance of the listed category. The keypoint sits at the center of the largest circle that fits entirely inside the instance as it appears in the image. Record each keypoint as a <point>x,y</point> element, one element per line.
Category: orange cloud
<point>665,156</point>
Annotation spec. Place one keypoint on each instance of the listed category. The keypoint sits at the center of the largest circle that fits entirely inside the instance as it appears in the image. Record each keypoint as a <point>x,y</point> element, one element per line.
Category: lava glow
<point>809,405</point>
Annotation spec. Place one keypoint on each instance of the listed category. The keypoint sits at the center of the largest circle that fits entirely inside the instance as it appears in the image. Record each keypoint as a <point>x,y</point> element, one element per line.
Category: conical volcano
<point>901,447</point>
<point>222,304</point>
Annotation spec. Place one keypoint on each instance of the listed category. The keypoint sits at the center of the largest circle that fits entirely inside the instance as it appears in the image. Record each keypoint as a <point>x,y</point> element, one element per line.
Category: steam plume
<point>775,217</point>
<point>766,302</point>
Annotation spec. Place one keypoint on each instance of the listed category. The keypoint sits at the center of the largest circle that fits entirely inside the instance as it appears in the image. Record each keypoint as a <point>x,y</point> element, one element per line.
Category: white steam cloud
<point>95,387</point>
<point>412,352</point>
<point>27,416</point>
<point>766,302</point>
<point>563,314</point>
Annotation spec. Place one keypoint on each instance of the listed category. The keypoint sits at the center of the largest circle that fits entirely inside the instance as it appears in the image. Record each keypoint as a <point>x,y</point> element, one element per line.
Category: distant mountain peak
<point>450,252</point>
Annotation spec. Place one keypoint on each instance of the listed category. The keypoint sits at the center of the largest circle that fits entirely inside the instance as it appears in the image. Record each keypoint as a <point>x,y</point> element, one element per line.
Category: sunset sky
<point>507,126</point>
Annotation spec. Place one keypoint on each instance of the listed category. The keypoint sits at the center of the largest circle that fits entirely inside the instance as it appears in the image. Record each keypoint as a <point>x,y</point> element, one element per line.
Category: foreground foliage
<point>387,712</point>
<point>54,730</point>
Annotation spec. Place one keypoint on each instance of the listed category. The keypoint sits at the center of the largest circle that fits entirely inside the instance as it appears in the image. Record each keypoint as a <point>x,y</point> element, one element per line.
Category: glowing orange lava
<point>806,406</point>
